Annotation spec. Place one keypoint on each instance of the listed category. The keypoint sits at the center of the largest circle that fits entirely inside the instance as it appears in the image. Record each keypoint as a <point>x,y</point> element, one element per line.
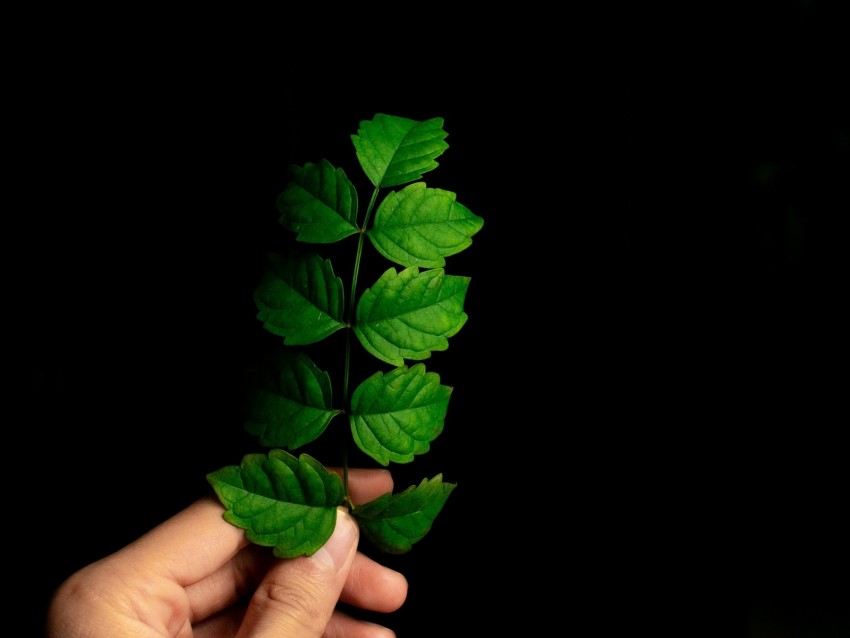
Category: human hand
<point>195,575</point>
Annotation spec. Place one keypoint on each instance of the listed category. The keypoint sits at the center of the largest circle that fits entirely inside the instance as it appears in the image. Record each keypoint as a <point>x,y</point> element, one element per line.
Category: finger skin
<point>193,566</point>
<point>366,484</point>
<point>370,585</point>
<point>373,586</point>
<point>239,576</point>
<point>297,597</point>
<point>341,625</point>
<point>169,544</point>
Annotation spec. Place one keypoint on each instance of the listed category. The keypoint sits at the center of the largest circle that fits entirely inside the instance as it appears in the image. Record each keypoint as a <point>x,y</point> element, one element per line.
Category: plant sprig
<point>288,502</point>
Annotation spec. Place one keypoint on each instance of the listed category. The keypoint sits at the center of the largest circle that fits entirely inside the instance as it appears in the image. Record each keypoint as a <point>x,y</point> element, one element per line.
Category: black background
<point>642,428</point>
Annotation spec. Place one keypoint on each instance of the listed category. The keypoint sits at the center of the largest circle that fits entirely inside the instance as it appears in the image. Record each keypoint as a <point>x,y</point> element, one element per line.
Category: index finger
<point>365,484</point>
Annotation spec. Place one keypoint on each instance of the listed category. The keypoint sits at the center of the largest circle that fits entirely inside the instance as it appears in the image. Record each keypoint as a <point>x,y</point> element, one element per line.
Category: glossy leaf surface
<point>395,416</point>
<point>396,150</point>
<point>290,402</point>
<point>395,522</point>
<point>409,314</point>
<point>280,501</point>
<point>300,298</point>
<point>420,226</point>
<point>319,203</point>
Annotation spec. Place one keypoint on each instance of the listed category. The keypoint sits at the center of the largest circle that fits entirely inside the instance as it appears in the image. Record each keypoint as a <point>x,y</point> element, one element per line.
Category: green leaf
<point>299,298</point>
<point>280,501</point>
<point>395,150</point>
<point>319,203</point>
<point>420,226</point>
<point>394,522</point>
<point>408,315</point>
<point>395,416</point>
<point>289,405</point>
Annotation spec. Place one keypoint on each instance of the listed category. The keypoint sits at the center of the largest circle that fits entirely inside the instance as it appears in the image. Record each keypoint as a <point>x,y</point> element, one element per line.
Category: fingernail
<point>339,545</point>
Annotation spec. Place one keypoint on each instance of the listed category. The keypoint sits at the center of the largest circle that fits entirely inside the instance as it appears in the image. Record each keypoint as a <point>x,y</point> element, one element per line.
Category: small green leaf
<point>408,315</point>
<point>395,416</point>
<point>299,298</point>
<point>420,226</point>
<point>289,404</point>
<point>395,150</point>
<point>280,501</point>
<point>394,522</point>
<point>319,203</point>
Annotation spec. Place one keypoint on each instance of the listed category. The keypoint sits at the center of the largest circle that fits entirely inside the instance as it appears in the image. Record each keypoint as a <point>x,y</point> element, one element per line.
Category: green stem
<point>348,502</point>
<point>350,321</point>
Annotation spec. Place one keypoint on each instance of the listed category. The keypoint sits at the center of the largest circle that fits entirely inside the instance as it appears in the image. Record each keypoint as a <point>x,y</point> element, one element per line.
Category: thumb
<point>297,596</point>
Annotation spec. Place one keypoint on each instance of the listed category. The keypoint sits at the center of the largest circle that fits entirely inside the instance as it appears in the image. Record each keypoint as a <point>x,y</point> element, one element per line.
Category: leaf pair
<point>405,315</point>
<point>290,503</point>
<point>393,416</point>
